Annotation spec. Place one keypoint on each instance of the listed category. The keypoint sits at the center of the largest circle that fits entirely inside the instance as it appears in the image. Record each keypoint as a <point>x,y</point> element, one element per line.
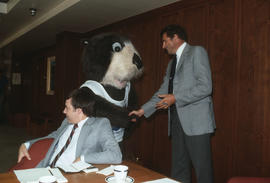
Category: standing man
<point>81,137</point>
<point>186,91</point>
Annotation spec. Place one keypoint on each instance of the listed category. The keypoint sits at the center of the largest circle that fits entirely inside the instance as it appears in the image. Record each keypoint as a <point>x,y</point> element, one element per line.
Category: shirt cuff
<point>27,144</point>
<point>82,158</point>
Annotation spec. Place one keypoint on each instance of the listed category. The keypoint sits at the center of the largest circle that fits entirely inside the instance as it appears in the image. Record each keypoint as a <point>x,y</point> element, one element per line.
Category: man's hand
<point>138,113</point>
<point>23,152</point>
<point>167,101</point>
<point>76,160</point>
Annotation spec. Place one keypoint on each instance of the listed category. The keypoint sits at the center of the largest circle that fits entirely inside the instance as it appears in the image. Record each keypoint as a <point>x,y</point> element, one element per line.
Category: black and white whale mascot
<point>110,63</point>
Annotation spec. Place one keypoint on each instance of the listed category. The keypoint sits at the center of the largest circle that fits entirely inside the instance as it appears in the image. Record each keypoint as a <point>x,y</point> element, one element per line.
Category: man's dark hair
<point>173,29</point>
<point>82,98</point>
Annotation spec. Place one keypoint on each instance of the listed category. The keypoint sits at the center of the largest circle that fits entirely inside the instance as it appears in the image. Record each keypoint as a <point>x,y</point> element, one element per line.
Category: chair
<point>249,180</point>
<point>37,152</point>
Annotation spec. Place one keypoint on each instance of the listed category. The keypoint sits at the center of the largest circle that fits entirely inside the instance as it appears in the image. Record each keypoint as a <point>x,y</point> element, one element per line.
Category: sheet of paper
<point>163,180</point>
<point>80,165</point>
<point>68,168</point>
<point>76,167</point>
<point>59,176</point>
<point>90,169</point>
<point>31,175</point>
<point>106,171</point>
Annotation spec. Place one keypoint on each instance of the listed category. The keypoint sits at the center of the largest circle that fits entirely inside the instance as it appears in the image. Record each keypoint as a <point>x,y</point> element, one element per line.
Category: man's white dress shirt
<point>69,155</point>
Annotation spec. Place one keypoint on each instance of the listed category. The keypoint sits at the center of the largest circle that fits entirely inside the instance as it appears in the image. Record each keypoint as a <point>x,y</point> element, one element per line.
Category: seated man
<point>80,136</point>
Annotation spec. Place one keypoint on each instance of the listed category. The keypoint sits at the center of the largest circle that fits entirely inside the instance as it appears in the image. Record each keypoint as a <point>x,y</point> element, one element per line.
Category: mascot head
<point>112,60</point>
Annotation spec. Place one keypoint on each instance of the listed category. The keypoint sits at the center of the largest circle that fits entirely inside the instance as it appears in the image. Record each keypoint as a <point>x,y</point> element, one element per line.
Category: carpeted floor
<point>10,140</point>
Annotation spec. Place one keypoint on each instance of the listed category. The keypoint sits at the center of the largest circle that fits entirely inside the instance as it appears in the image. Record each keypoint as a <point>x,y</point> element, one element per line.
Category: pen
<point>50,171</point>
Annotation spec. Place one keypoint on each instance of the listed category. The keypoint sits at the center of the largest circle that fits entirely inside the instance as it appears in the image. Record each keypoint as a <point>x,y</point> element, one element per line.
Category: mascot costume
<point>110,62</point>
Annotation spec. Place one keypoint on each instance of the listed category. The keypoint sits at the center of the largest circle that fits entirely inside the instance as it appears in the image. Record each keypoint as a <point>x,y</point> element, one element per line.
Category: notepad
<point>33,174</point>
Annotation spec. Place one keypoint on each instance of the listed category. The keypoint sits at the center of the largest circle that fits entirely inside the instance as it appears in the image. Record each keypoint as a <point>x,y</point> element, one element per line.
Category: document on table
<point>32,175</point>
<point>163,180</point>
<point>79,166</point>
<point>106,171</point>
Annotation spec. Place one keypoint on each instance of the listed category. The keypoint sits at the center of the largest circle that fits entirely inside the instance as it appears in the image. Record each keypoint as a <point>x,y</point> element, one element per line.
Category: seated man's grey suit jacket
<point>96,142</point>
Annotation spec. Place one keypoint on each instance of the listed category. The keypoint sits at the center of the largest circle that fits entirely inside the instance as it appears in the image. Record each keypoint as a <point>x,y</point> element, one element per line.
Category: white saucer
<point>111,179</point>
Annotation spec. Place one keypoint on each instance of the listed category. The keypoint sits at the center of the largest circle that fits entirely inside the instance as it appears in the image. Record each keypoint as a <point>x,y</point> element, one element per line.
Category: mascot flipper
<point>103,108</point>
<point>110,62</point>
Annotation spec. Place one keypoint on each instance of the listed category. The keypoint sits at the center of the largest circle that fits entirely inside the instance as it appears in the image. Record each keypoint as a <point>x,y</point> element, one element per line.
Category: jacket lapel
<point>84,132</point>
<point>60,135</point>
<point>183,56</point>
<point>53,146</point>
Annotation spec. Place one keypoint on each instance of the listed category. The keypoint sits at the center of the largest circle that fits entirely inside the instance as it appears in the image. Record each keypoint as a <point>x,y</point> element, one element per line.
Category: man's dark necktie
<point>65,146</point>
<point>170,88</point>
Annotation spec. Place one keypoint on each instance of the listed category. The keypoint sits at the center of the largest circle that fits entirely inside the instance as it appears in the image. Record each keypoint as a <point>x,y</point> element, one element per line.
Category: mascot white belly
<point>99,90</point>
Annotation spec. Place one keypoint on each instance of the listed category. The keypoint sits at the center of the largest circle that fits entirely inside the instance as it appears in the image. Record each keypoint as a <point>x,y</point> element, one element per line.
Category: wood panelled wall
<point>252,119</point>
<point>31,96</point>
<point>236,34</point>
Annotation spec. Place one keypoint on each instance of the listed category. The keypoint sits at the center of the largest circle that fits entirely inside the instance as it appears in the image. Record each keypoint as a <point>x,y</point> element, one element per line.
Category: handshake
<point>135,115</point>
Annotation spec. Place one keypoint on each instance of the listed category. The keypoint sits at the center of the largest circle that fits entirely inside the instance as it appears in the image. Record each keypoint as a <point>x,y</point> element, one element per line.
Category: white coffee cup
<point>47,179</point>
<point>120,173</point>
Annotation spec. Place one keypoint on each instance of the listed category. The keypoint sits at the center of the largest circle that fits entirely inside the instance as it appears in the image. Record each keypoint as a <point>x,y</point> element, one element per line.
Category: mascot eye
<point>116,47</point>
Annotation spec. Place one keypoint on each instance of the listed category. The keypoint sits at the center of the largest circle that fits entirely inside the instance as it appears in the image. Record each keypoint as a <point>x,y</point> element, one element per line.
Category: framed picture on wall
<point>50,84</point>
<point>16,78</point>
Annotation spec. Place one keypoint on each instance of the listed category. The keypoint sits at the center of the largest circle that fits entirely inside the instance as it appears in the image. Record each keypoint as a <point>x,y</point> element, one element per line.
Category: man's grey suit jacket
<point>96,142</point>
<point>192,88</point>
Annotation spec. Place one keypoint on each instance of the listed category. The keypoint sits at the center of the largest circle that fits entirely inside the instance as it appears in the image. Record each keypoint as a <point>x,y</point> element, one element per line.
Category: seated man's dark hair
<point>173,29</point>
<point>81,98</point>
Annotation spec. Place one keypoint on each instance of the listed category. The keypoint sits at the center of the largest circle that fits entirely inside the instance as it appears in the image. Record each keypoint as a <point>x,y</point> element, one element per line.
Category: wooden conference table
<point>138,172</point>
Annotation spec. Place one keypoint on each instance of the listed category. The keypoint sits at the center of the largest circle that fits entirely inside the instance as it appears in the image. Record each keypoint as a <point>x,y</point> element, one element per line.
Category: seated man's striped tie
<point>65,146</point>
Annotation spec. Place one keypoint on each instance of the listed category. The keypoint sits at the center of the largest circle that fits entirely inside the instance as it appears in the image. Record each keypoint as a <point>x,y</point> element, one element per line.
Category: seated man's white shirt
<point>70,153</point>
